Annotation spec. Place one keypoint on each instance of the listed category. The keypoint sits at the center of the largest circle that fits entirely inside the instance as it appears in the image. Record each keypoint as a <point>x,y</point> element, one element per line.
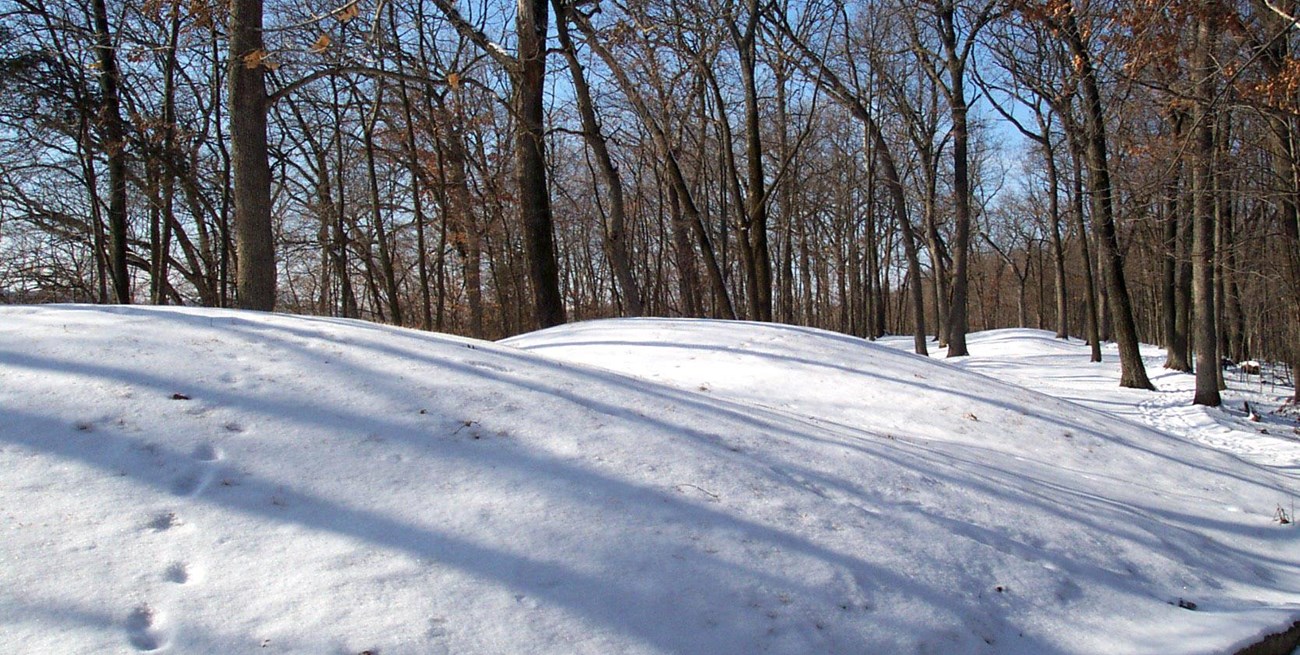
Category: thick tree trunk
<point>534,196</point>
<point>759,263</point>
<point>1203,314</point>
<point>688,277</point>
<point>1175,337</point>
<point>1132,371</point>
<point>251,171</point>
<point>958,322</point>
<point>115,148</point>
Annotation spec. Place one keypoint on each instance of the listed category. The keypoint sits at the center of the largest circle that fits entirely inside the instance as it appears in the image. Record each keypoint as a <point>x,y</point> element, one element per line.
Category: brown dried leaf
<point>349,12</point>
<point>321,45</point>
<point>255,58</point>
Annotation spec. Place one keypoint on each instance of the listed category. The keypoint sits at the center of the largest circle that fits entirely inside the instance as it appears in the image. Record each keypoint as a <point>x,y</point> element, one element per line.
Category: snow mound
<point>206,481</point>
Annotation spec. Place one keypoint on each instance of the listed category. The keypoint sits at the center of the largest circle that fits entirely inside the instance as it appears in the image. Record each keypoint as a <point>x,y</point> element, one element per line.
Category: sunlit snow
<point>208,481</point>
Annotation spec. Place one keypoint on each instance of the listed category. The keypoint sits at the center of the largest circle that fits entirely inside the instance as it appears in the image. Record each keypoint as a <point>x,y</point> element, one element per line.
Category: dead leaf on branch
<point>259,58</point>
<point>321,45</point>
<point>347,13</point>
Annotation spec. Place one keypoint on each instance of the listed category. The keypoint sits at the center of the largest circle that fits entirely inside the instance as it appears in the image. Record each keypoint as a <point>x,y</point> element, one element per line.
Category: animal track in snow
<point>188,484</point>
<point>142,629</point>
<point>164,521</point>
<point>194,482</point>
<point>198,478</point>
<point>182,573</point>
<point>178,573</point>
<point>206,452</point>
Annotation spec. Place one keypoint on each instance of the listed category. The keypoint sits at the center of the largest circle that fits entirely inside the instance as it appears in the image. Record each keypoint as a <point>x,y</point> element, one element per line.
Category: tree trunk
<point>958,322</point>
<point>534,196</point>
<point>1132,372</point>
<point>615,229</point>
<point>754,229</point>
<point>251,171</point>
<point>688,278</point>
<point>417,199</point>
<point>115,148</point>
<point>342,236</point>
<point>1058,248</point>
<point>938,251</point>
<point>458,209</point>
<point>676,177</point>
<point>158,266</point>
<point>386,267</point>
<point>1085,256</point>
<point>1203,314</point>
<point>1286,169</point>
<point>1175,337</point>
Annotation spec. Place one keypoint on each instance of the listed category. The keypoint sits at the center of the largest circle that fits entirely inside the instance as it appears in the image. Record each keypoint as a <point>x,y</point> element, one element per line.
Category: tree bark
<point>115,148</point>
<point>754,228</point>
<point>250,168</point>
<point>1175,336</point>
<point>1054,228</point>
<point>1132,371</point>
<point>958,322</point>
<point>1203,314</point>
<point>615,231</point>
<point>534,196</point>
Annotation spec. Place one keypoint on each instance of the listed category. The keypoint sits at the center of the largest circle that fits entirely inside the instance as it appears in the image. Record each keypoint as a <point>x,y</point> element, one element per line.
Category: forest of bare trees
<point>1125,171</point>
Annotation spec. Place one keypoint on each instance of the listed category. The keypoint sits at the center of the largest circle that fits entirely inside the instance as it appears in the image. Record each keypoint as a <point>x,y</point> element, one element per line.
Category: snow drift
<point>203,481</point>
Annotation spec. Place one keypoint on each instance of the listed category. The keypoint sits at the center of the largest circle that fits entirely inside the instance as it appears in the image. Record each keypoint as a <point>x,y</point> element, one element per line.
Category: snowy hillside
<point>203,481</point>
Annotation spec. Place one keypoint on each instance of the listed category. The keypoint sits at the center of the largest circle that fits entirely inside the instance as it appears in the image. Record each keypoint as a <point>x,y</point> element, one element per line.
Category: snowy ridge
<point>204,481</point>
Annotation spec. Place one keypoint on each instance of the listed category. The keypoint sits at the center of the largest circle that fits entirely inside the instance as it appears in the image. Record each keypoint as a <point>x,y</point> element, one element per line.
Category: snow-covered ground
<point>1037,360</point>
<point>205,481</point>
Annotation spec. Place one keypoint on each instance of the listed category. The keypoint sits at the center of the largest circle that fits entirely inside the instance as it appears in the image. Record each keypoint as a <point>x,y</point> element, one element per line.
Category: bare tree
<point>1096,149</point>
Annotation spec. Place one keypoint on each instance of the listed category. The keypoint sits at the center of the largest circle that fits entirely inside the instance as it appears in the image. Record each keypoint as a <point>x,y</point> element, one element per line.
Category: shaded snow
<point>645,486</point>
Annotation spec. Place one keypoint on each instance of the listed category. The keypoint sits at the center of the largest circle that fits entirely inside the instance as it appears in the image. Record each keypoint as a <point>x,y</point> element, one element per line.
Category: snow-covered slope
<point>1036,359</point>
<point>201,481</point>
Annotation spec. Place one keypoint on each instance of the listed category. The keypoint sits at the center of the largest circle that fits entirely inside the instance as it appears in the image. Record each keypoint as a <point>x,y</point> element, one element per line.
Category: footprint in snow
<point>142,629</point>
<point>183,573</point>
<point>164,521</point>
<point>189,484</point>
<point>197,479</point>
<point>178,573</point>
<point>206,452</point>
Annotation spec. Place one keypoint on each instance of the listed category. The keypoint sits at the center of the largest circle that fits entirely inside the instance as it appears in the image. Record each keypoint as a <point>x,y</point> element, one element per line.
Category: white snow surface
<point>209,481</point>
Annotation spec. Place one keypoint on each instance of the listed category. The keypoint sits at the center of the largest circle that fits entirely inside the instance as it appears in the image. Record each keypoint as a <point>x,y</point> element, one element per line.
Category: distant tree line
<point>489,168</point>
